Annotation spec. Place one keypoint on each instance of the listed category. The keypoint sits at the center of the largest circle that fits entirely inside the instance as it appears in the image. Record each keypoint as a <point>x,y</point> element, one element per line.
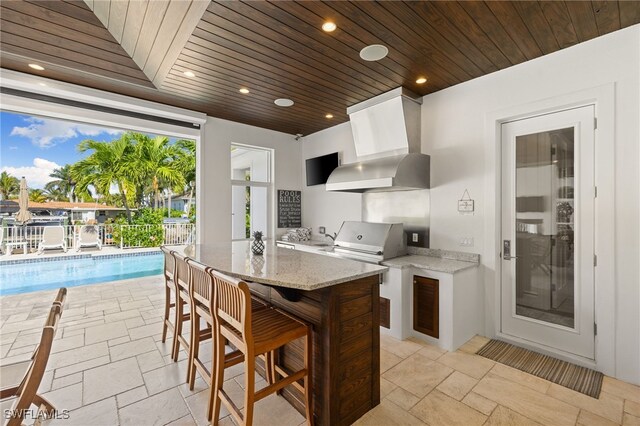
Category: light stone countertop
<point>431,263</point>
<point>280,266</point>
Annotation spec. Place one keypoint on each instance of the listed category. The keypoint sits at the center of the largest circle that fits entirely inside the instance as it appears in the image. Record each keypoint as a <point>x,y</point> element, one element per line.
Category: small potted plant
<point>257,245</point>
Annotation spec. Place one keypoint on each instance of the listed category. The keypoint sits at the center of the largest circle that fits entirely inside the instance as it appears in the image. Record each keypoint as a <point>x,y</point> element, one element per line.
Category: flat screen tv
<point>319,168</point>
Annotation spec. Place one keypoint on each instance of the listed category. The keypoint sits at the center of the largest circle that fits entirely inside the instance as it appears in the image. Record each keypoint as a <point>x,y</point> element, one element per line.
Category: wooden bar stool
<point>169,289</point>
<point>253,333</point>
<point>181,279</point>
<point>201,290</point>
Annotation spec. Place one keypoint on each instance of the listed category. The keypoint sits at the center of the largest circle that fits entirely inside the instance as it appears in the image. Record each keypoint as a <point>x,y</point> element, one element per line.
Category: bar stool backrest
<point>182,271</point>
<point>169,263</point>
<point>201,284</point>
<point>233,309</point>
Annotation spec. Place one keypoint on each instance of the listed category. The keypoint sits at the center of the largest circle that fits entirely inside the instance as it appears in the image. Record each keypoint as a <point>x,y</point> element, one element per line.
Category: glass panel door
<point>547,215</point>
<point>544,226</point>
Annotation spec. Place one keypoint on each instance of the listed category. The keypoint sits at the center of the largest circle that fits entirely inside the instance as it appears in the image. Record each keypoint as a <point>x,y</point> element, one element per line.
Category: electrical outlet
<point>414,237</point>
<point>466,241</point>
<point>322,230</point>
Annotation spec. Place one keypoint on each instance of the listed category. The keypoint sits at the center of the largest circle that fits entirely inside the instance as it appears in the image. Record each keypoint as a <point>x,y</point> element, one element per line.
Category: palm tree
<point>159,166</point>
<point>9,185</point>
<point>63,182</point>
<point>55,194</point>
<point>186,162</point>
<point>37,196</point>
<point>110,163</point>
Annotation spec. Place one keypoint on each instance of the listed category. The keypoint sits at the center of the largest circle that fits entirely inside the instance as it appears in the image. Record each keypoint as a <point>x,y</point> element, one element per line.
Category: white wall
<point>319,207</point>
<point>454,129</point>
<point>214,199</point>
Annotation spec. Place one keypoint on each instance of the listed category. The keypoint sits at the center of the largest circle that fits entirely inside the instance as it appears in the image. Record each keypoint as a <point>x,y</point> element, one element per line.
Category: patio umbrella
<point>23,215</point>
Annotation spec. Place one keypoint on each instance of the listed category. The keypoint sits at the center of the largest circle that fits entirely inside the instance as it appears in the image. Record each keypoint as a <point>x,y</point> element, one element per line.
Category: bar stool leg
<point>178,327</point>
<point>218,378</point>
<point>194,347</point>
<point>249,386</point>
<point>308,365</point>
<point>167,311</point>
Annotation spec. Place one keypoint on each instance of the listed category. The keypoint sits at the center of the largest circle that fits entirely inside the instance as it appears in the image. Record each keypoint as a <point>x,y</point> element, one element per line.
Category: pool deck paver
<point>109,367</point>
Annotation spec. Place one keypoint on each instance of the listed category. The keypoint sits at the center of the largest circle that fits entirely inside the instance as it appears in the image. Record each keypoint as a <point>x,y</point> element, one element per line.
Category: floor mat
<point>580,379</point>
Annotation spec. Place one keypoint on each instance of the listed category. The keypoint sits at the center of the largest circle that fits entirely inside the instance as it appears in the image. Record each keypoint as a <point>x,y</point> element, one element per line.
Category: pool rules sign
<point>289,209</point>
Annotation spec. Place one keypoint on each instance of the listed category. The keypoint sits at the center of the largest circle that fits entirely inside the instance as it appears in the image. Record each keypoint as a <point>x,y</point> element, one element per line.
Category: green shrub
<point>140,236</point>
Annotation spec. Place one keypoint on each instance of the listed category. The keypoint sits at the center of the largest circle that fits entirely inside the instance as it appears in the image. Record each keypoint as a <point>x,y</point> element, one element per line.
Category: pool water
<point>34,276</point>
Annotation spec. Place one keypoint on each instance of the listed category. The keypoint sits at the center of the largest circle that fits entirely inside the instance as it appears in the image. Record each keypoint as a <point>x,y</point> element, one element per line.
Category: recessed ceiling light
<point>375,52</point>
<point>244,90</point>
<point>421,80</point>
<point>36,67</point>
<point>329,116</point>
<point>283,102</point>
<point>189,74</point>
<point>329,26</point>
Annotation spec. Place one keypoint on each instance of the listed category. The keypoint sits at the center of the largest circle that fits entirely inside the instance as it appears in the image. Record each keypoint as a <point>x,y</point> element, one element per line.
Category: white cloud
<point>45,132</point>
<point>37,175</point>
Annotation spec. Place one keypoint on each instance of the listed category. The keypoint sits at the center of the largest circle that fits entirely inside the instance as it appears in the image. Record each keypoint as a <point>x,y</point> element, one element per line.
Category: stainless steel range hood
<point>386,134</point>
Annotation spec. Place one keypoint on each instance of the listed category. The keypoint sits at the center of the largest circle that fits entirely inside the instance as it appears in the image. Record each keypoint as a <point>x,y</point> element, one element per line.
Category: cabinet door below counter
<point>426,306</point>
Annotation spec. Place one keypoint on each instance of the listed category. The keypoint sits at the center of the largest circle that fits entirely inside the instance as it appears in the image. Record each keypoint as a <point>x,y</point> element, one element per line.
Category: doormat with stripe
<point>580,379</point>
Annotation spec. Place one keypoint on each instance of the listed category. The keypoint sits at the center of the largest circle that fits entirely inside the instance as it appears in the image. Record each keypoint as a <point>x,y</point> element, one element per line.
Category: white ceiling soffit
<point>152,32</point>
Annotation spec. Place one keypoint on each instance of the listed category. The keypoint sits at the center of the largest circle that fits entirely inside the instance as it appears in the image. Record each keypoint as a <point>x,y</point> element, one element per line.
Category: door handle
<point>506,250</point>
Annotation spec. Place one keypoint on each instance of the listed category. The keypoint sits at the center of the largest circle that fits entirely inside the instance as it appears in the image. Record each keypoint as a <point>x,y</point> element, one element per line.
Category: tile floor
<point>108,367</point>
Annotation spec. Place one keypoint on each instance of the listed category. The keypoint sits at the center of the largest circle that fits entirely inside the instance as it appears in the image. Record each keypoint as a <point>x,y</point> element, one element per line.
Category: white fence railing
<point>123,236</point>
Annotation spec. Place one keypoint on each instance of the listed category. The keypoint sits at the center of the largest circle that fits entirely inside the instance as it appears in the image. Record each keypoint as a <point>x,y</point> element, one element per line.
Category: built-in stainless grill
<point>369,241</point>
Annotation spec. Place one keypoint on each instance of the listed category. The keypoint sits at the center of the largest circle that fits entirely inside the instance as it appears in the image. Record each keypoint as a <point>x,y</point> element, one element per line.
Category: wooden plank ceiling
<point>278,50</point>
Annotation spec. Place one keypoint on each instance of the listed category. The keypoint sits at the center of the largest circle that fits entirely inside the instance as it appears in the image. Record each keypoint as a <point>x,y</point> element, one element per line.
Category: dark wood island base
<point>346,367</point>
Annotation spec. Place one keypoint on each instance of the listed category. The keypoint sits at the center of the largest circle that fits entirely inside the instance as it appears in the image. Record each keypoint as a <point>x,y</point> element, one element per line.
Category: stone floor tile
<point>474,344</point>
<point>440,409</point>
<point>131,396</point>
<point>67,398</point>
<point>66,381</point>
<point>75,356</point>
<point>457,385</point>
<point>471,365</point>
<point>479,403</point>
<point>68,343</point>
<point>388,360</point>
<point>159,409</point>
<point>135,322</point>
<point>402,348</point>
<point>630,420</point>
<point>418,374</point>
<point>386,387</point>
<point>150,361</point>
<point>526,379</point>
<point>101,413</point>
<point>112,379</point>
<point>388,413</point>
<point>275,410</point>
<point>129,349</point>
<point>632,408</point>
<point>403,399</point>
<point>25,350</point>
<point>81,366</point>
<point>198,405</point>
<point>184,421</point>
<point>145,331</point>
<point>118,341</point>
<point>432,352</point>
<point>122,316</point>
<point>502,416</point>
<point>621,389</point>
<point>532,404</point>
<point>586,418</point>
<point>104,332</point>
<point>607,405</point>
<point>165,377</point>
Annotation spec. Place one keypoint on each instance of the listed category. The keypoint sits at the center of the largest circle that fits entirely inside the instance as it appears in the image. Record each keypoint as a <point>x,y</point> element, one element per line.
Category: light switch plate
<point>322,230</point>
<point>414,237</point>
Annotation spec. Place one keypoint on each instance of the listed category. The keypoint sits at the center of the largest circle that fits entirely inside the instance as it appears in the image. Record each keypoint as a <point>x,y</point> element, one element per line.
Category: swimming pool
<point>73,271</point>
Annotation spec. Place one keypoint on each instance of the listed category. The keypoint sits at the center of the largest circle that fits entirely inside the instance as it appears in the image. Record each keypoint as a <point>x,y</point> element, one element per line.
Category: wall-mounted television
<point>319,168</point>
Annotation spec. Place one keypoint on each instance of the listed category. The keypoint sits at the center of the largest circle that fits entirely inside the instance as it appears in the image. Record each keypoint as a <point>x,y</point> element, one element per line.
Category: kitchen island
<point>339,297</point>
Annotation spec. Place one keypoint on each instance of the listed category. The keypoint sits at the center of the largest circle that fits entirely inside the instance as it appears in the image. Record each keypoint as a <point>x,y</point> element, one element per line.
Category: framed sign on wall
<point>289,209</point>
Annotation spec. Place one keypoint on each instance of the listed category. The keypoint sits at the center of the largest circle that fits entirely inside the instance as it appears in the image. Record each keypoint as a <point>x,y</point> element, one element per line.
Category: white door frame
<point>603,97</point>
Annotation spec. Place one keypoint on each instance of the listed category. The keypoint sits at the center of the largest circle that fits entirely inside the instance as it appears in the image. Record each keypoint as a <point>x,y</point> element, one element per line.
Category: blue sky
<point>33,147</point>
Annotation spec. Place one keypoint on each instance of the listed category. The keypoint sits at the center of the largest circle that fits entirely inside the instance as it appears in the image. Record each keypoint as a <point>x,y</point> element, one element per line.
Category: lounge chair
<point>88,237</point>
<point>53,238</point>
